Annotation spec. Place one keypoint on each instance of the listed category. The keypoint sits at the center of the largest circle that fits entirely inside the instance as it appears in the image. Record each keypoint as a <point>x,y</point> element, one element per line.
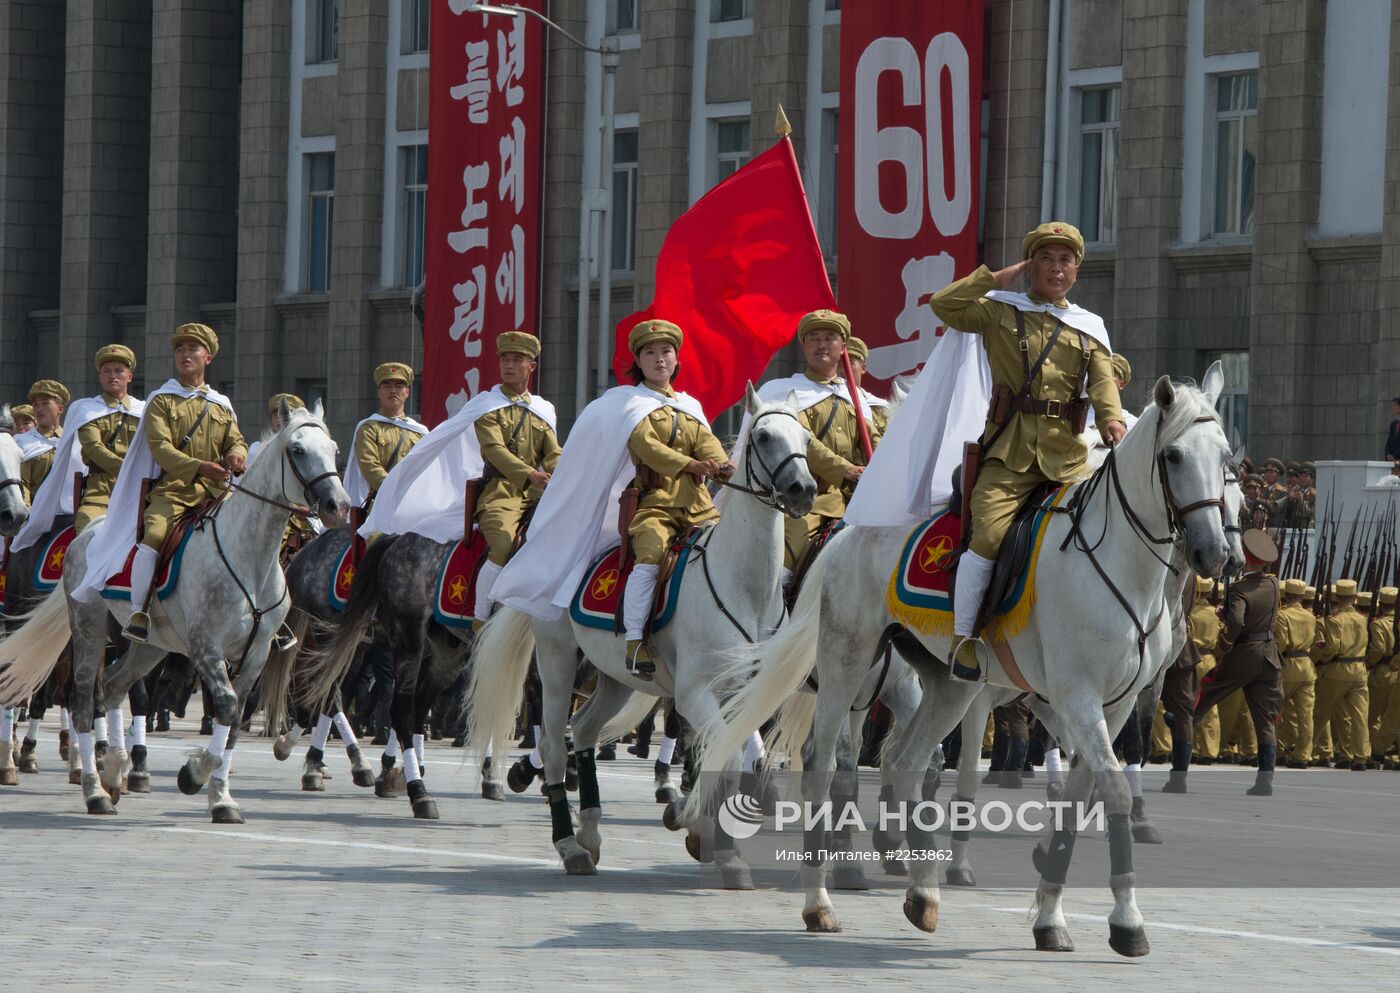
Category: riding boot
<point>1001,744</point>
<point>1181,762</point>
<point>485,580</point>
<point>974,573</point>
<point>143,574</point>
<point>1015,759</point>
<point>636,610</point>
<point>1264,778</point>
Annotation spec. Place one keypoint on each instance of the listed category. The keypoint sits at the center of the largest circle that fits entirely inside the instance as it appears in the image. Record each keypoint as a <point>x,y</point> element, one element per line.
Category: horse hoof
<point>100,803</point>
<point>671,816</point>
<point>895,867</point>
<point>520,775</point>
<point>281,748</point>
<point>311,782</point>
<point>667,794</point>
<point>138,781</point>
<point>1146,833</point>
<point>8,777</point>
<point>736,877</point>
<point>492,791</point>
<point>847,876</point>
<point>75,778</point>
<point>580,863</point>
<point>1052,939</point>
<point>698,849</point>
<point>362,777</point>
<point>186,781</point>
<point>1130,942</point>
<point>424,806</point>
<point>384,788</point>
<point>227,815</point>
<point>959,877</point>
<point>921,912</point>
<point>28,764</point>
<point>821,921</point>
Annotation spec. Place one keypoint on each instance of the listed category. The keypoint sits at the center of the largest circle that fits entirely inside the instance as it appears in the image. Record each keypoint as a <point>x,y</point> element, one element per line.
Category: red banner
<point>482,262</point>
<point>911,93</point>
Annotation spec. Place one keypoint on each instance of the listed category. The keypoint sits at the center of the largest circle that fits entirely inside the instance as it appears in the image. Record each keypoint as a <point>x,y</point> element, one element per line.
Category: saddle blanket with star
<point>48,567</point>
<point>918,595</point>
<point>599,596</point>
<point>454,605</point>
<point>118,587</point>
<point>343,575</point>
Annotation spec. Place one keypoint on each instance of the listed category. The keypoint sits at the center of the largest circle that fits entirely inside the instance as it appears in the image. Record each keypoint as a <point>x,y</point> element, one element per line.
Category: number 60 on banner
<point>940,80</point>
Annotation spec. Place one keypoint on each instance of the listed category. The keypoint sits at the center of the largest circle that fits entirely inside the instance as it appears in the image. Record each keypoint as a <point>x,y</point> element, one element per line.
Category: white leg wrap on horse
<point>143,572</point>
<point>322,732</point>
<point>294,733</point>
<point>1054,768</point>
<point>33,733</point>
<point>114,728</point>
<point>536,759</point>
<point>1134,773</point>
<point>86,746</point>
<point>342,724</point>
<point>485,580</point>
<point>418,748</point>
<point>488,750</point>
<point>753,751</point>
<point>138,730</point>
<point>218,741</point>
<point>411,771</point>
<point>974,573</point>
<point>667,752</point>
<point>391,744</point>
<point>99,728</point>
<point>65,723</point>
<point>636,601</point>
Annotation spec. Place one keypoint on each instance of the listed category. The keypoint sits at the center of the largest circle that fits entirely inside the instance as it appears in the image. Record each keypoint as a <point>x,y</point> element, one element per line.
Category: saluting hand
<point>1005,277</point>
<point>214,471</point>
<point>539,478</point>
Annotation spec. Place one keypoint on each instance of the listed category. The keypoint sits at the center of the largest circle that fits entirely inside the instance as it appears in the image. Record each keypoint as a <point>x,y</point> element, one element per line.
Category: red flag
<point>737,271</point>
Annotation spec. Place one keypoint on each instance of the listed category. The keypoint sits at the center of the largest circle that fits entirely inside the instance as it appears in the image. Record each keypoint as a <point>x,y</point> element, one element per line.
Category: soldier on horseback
<point>1049,361</point>
<point>383,438</point>
<point>104,439</point>
<point>193,437</point>
<point>39,443</point>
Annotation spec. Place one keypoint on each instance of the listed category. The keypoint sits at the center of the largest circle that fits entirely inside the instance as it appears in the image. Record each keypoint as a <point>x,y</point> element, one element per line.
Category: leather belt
<point>1346,658</point>
<point>1258,636</point>
<point>1066,409</point>
<point>1297,653</point>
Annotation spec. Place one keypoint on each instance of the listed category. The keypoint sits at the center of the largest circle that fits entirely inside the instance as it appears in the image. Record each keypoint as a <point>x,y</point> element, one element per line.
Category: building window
<point>827,203</point>
<point>731,146</point>
<point>624,202</point>
<point>833,4</point>
<point>311,390</point>
<point>731,10</point>
<point>1233,403</point>
<point>1098,164</point>
<point>623,16</point>
<point>1236,145</point>
<point>322,30</point>
<point>320,213</point>
<point>415,26</point>
<point>414,207</point>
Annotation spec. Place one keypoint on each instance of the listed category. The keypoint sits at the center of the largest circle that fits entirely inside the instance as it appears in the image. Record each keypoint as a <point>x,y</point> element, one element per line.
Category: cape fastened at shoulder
<point>355,486</point>
<point>32,444</point>
<point>1072,315</point>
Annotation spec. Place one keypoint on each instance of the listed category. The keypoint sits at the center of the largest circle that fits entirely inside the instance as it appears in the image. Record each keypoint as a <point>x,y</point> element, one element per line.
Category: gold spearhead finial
<point>781,125</point>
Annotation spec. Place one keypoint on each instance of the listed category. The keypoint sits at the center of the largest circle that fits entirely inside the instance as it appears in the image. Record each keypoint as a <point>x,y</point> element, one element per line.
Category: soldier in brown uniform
<point>1380,649</point>
<point>1042,358</point>
<point>859,352</point>
<point>1275,492</point>
<point>1295,633</point>
<point>103,441</point>
<point>1181,685</point>
<point>1250,659</point>
<point>23,415</point>
<point>384,438</point>
<point>48,398</point>
<point>1342,692</point>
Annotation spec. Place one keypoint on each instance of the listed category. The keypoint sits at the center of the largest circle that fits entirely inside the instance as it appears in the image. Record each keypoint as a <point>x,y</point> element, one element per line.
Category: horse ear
<point>1163,393</point>
<point>792,400</point>
<point>284,412</point>
<point>1214,381</point>
<point>318,410</point>
<point>751,401</point>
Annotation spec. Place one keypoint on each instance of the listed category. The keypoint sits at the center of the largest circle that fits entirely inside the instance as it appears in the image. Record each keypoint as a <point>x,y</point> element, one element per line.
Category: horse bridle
<point>305,512</point>
<point>769,497</point>
<point>9,481</point>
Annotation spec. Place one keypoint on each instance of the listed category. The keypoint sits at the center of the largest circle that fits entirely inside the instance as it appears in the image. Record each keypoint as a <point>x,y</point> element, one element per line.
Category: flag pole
<point>784,131</point>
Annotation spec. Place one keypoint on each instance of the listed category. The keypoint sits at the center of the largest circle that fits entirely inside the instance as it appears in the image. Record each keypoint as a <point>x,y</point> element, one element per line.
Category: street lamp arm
<point>515,10</point>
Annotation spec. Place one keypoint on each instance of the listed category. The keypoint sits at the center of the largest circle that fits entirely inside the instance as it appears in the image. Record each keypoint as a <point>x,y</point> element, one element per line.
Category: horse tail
<point>496,685</point>
<point>28,655</point>
<point>792,728</point>
<point>633,712</point>
<point>787,659</point>
<point>277,675</point>
<point>328,665</point>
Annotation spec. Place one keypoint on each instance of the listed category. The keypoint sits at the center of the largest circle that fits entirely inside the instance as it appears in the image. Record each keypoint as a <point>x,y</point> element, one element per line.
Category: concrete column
<point>1387,352</point>
<point>1149,191</point>
<point>193,237</point>
<point>106,151</point>
<point>31,203</point>
<point>779,75</point>
<point>1283,280</point>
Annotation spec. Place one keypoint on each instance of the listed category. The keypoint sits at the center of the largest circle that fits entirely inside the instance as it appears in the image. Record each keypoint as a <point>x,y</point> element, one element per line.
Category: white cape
<point>911,476</point>
<point>355,486</point>
<point>55,496</point>
<point>32,444</point>
<point>577,518</point>
<point>424,492</point>
<point>112,543</point>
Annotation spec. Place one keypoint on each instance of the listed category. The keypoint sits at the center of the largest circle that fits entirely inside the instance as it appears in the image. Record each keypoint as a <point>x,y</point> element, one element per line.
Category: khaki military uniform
<point>514,442</point>
<point>33,472</point>
<point>378,448</point>
<point>1380,649</point>
<point>1387,740</point>
<point>832,452</point>
<point>666,441</point>
<point>103,443</point>
<point>169,418</point>
<point>1204,626</point>
<point>1295,631</point>
<point>1342,697</point>
<point>1033,448</point>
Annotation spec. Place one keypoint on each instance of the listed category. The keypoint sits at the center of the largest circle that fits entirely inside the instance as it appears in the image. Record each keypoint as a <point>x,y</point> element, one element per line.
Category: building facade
<point>261,165</point>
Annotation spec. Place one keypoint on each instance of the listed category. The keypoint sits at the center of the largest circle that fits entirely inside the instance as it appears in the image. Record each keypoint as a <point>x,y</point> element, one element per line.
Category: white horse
<point>13,513</point>
<point>228,603</point>
<point>730,596</point>
<point>1099,631</point>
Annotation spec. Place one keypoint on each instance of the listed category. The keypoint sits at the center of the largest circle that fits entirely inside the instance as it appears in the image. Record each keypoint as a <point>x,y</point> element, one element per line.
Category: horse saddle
<point>1014,555</point>
<point>803,566</point>
<point>597,603</point>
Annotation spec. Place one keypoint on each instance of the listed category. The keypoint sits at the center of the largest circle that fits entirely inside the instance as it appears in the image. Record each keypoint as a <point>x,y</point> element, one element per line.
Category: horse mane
<point>1190,403</point>
<point>300,417</point>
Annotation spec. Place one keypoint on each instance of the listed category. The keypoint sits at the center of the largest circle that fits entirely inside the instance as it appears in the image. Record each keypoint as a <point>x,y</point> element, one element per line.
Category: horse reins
<point>770,497</point>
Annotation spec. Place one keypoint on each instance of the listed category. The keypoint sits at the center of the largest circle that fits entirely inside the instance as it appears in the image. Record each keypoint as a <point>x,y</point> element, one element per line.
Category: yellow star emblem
<point>935,553</point>
<point>604,584</point>
<point>56,559</point>
<point>457,592</point>
<point>347,576</point>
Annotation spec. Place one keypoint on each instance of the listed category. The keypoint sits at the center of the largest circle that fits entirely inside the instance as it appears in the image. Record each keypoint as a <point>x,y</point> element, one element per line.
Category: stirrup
<point>639,660</point>
<point>138,627</point>
<point>964,662</point>
<point>284,640</point>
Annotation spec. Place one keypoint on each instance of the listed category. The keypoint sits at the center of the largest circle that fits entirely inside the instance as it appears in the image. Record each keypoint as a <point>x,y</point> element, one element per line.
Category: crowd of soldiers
<point>1280,496</point>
